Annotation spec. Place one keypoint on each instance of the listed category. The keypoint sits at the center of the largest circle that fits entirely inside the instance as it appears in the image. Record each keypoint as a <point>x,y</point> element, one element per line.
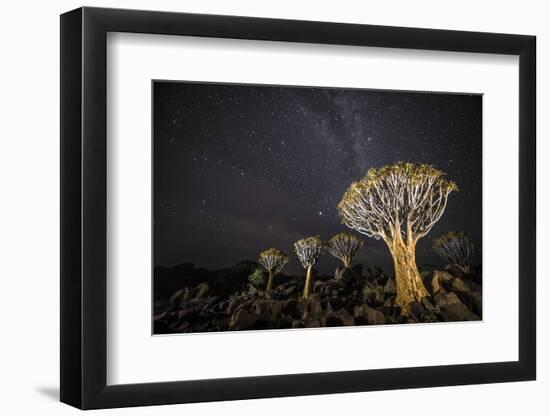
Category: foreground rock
<point>195,300</point>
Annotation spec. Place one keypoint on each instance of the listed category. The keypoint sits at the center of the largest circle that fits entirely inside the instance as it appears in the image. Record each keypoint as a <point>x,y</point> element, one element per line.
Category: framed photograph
<point>258,208</point>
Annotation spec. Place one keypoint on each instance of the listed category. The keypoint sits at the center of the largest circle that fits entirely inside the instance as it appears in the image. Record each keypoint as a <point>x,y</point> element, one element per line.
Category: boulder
<point>311,307</point>
<point>474,301</point>
<point>348,275</point>
<point>333,321</point>
<point>368,315</point>
<point>423,312</point>
<point>416,312</point>
<point>381,280</point>
<point>262,309</point>
<point>344,316</point>
<point>181,326</point>
<point>426,275</point>
<point>455,270</point>
<point>159,316</point>
<point>373,273</point>
<point>427,304</point>
<point>312,323</point>
<point>374,316</point>
<point>243,320</point>
<point>327,288</point>
<point>441,280</point>
<point>380,295</point>
<point>221,307</point>
<point>458,284</point>
<point>301,308</point>
<point>442,298</point>
<point>189,311</point>
<point>253,291</point>
<point>233,304</point>
<point>369,294</point>
<point>284,322</point>
<point>457,312</point>
<point>267,310</point>
<point>390,302</point>
<point>335,303</point>
<point>178,297</point>
<point>474,286</point>
<point>201,290</point>
<point>208,304</point>
<point>290,290</point>
<point>390,287</point>
<point>289,306</point>
<point>452,309</point>
<point>276,309</point>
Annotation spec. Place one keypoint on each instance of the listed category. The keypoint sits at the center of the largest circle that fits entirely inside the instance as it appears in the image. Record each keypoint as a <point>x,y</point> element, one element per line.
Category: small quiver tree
<point>400,204</point>
<point>344,246</point>
<point>308,251</point>
<point>456,249</point>
<point>273,260</point>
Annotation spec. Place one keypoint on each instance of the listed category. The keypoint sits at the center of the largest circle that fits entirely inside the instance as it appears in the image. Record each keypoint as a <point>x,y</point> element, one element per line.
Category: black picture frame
<point>84,194</point>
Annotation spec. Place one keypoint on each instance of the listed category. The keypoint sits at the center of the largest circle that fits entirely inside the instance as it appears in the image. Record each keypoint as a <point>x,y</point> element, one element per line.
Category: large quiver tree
<point>400,204</point>
<point>273,260</point>
<point>345,247</point>
<point>456,249</point>
<point>308,251</point>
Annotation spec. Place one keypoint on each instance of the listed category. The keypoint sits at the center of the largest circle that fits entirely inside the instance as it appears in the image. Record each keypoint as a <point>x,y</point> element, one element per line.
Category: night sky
<point>242,168</point>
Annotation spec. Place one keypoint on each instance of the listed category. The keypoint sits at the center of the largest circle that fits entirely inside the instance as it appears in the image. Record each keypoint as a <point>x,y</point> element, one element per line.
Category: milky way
<point>241,168</point>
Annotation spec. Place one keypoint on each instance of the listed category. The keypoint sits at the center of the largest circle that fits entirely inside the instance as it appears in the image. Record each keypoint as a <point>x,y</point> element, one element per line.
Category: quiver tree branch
<point>308,251</point>
<point>273,260</point>
<point>400,204</point>
<point>345,247</point>
<point>455,248</point>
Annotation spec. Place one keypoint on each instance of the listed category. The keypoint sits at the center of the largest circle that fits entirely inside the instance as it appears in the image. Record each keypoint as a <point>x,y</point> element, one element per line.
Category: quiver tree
<point>308,251</point>
<point>273,260</point>
<point>400,204</point>
<point>344,246</point>
<point>456,249</point>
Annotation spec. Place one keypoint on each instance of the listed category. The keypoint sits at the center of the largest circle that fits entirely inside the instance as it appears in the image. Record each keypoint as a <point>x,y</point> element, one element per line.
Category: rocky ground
<point>190,300</point>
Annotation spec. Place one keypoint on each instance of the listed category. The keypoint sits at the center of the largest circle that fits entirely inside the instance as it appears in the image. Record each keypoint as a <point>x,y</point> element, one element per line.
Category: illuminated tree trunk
<point>270,280</point>
<point>347,262</point>
<point>410,287</point>
<point>307,286</point>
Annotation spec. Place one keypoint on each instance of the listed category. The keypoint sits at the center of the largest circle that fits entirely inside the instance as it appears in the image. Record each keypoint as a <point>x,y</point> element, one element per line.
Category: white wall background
<point>29,237</point>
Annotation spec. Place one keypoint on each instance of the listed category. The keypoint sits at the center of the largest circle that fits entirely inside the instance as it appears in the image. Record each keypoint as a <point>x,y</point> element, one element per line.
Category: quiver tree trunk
<point>410,287</point>
<point>269,280</point>
<point>347,262</point>
<point>307,286</point>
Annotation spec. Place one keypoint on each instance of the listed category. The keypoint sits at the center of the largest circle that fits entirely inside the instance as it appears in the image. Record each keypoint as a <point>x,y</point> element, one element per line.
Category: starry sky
<point>241,168</point>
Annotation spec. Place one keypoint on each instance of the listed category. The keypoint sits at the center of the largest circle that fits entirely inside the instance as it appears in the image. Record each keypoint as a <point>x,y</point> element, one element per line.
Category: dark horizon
<point>242,168</point>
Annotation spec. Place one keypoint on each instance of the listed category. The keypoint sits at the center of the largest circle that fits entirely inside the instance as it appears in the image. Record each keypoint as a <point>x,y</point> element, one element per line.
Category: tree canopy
<point>455,248</point>
<point>404,198</point>
<point>344,246</point>
<point>273,260</point>
<point>309,250</point>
